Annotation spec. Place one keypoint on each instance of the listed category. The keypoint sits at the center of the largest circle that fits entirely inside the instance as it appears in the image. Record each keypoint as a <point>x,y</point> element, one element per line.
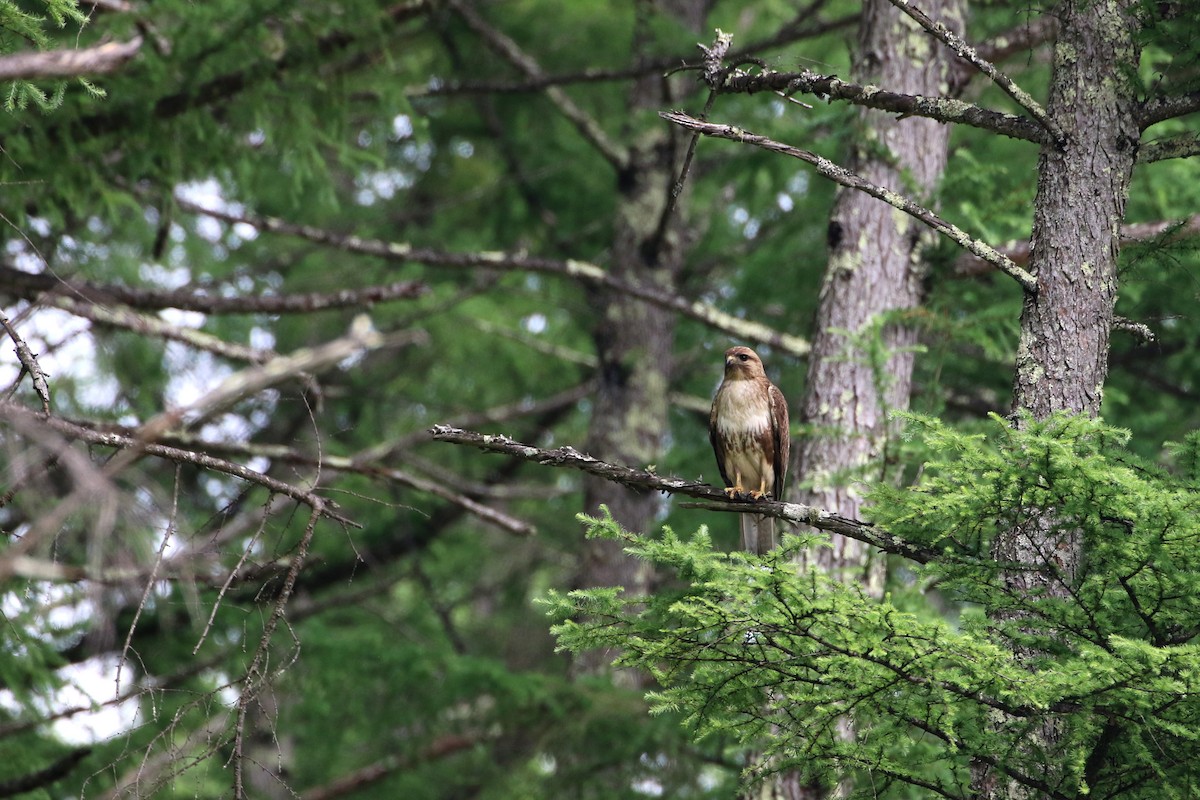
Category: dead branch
<point>852,180</point>
<point>31,286</point>
<point>715,499</point>
<point>582,271</point>
<point>970,54</point>
<point>98,60</point>
<point>73,431</point>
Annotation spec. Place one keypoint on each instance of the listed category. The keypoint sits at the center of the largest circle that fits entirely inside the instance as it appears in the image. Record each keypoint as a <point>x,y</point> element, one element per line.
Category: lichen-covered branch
<point>845,177</point>
<point>715,499</point>
<point>941,109</point>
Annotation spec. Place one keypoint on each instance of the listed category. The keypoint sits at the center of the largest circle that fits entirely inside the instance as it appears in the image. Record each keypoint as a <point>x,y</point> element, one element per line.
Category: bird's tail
<point>758,533</point>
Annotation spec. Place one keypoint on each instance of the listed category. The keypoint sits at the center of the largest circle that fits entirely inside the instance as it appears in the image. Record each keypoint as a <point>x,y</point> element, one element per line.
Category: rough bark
<point>874,272</point>
<point>1062,361</point>
<point>635,340</point>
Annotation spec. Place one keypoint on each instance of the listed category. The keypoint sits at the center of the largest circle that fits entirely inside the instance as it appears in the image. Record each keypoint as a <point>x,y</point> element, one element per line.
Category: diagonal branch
<point>715,498</point>
<point>940,109</point>
<point>509,50</point>
<point>582,271</point>
<point>965,51</point>
<point>852,180</point>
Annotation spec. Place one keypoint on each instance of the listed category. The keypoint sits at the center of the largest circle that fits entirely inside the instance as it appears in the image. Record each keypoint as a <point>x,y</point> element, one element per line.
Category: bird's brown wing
<point>780,435</point>
<point>718,442</point>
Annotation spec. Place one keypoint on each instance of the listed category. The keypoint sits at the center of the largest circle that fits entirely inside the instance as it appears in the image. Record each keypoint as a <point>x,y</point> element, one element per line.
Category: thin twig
<point>852,180</point>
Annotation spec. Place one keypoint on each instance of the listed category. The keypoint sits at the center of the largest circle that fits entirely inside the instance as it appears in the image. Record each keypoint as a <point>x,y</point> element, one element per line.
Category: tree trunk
<point>635,341</point>
<point>858,372</point>
<point>1062,360</point>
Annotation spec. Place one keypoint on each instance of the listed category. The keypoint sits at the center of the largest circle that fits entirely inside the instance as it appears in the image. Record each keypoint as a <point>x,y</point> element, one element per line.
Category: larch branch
<point>715,499</point>
<point>582,271</point>
<point>510,51</point>
<point>852,180</point>
<point>75,63</point>
<point>965,51</point>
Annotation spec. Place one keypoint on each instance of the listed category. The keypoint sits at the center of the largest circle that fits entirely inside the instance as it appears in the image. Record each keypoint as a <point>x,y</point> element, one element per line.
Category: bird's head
<point>742,363</point>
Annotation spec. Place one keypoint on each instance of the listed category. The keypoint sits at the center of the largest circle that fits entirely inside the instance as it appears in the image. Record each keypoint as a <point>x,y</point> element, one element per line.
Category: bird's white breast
<point>742,409</point>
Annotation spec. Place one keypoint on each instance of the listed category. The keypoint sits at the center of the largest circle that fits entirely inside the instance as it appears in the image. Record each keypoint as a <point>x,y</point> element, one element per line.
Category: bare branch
<point>29,364</point>
<point>941,109</point>
<point>74,431</point>
<point>373,773</point>
<point>852,180</point>
<point>509,50</point>
<point>32,285</point>
<point>98,60</point>
<point>581,271</point>
<point>965,51</point>
<point>715,498</point>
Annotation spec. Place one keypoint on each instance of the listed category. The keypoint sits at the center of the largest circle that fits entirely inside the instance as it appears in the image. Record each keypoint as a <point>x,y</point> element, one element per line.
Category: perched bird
<point>748,428</point>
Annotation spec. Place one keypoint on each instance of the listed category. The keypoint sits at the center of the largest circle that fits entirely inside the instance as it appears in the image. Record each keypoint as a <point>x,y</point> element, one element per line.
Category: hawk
<point>748,428</point>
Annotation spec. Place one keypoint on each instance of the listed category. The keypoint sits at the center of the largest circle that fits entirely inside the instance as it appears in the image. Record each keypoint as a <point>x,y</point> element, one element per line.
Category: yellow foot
<point>756,495</point>
<point>733,492</point>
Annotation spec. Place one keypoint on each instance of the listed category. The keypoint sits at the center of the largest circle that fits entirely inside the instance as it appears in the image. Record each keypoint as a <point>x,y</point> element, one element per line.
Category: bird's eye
<point>743,357</point>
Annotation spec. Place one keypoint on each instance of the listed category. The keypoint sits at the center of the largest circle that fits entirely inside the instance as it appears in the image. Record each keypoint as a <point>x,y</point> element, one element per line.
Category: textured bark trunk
<point>874,269</point>
<point>635,341</point>
<point>1062,360</point>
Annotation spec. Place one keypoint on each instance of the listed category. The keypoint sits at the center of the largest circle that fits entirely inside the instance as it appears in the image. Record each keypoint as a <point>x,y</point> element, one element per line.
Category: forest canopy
<point>359,359</point>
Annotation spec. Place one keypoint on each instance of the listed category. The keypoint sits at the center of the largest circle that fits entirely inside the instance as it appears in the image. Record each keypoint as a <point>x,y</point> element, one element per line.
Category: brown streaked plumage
<point>748,428</point>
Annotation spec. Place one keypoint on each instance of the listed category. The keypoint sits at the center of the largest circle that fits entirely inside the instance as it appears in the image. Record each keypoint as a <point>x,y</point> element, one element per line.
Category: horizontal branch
<point>1160,109</point>
<point>715,498</point>
<point>852,180</point>
<point>74,431</point>
<point>32,284</point>
<point>1184,146</point>
<point>74,63</point>
<point>582,271</point>
<point>940,109</point>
